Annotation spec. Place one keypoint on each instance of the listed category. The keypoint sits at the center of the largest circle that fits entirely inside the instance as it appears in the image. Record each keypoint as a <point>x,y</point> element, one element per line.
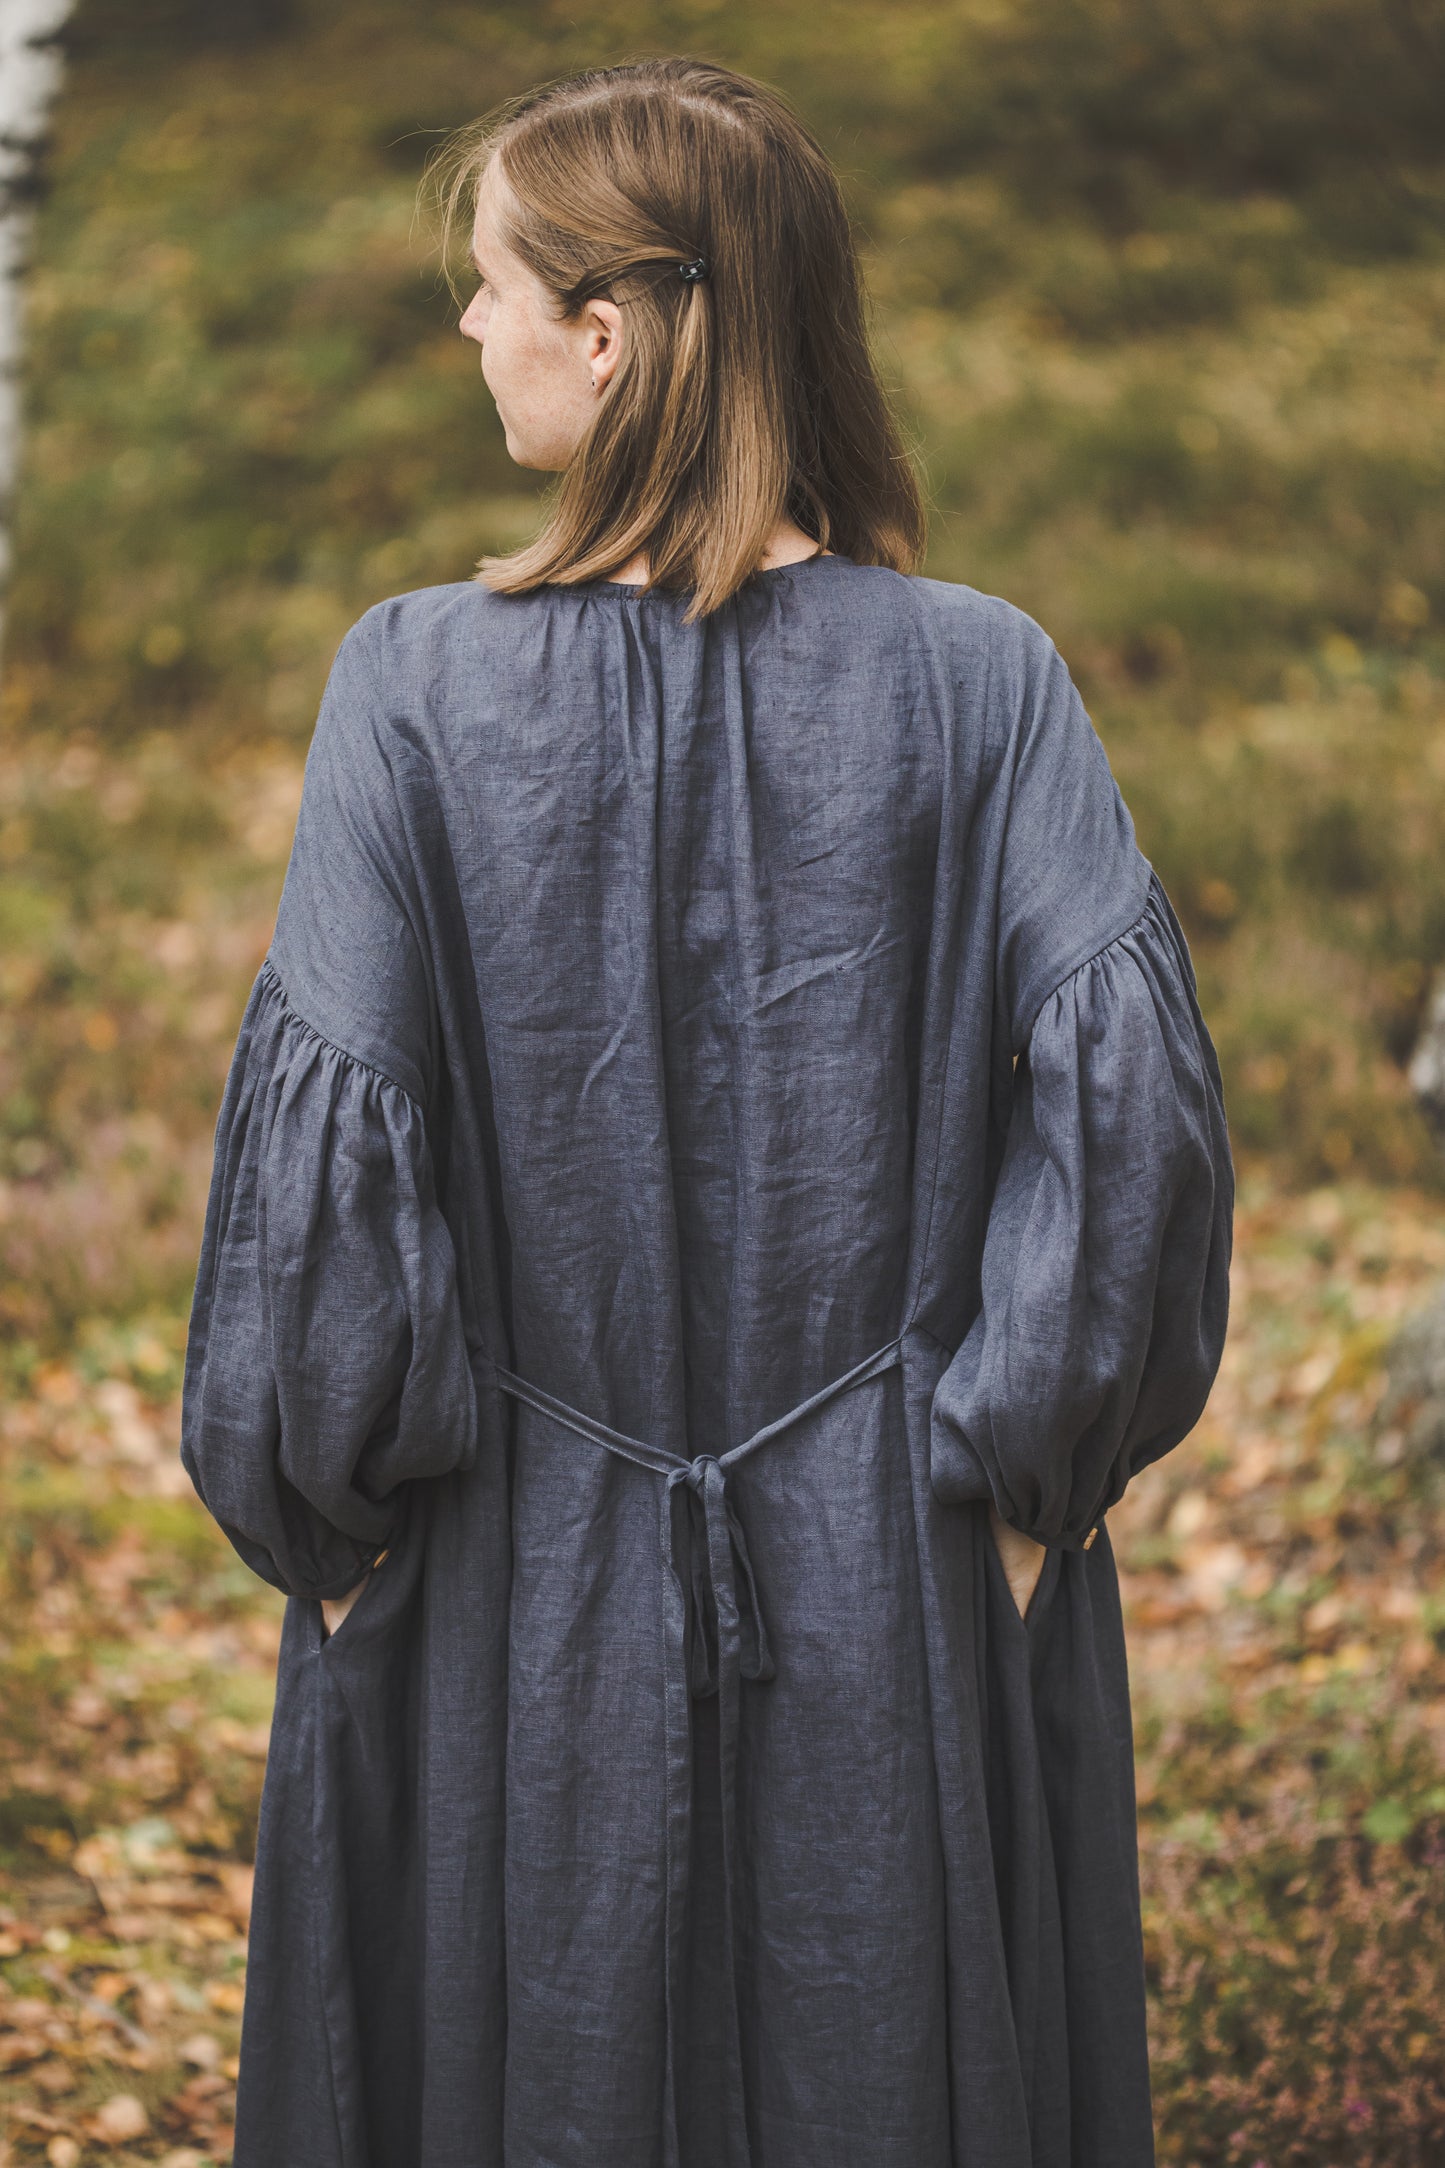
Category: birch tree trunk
<point>30,67</point>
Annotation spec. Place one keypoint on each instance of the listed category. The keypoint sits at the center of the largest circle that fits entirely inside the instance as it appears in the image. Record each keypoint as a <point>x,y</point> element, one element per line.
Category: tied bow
<point>725,1616</point>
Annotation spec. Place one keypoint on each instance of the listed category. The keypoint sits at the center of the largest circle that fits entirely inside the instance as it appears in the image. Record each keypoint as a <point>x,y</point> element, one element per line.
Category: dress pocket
<point>362,1840</point>
<point>1044,1589</point>
<point>1003,1603</point>
<point>326,1637</point>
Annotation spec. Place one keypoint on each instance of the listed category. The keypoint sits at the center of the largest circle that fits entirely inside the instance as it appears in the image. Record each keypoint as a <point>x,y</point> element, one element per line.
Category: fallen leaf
<point>117,2120</point>
<point>1190,1513</point>
<point>238,1881</point>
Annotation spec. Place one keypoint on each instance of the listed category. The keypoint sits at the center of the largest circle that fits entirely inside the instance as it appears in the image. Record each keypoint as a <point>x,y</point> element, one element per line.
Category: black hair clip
<point>690,273</point>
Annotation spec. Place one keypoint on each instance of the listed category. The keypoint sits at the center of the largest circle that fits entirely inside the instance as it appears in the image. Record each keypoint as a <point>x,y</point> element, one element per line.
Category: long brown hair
<point>743,397</point>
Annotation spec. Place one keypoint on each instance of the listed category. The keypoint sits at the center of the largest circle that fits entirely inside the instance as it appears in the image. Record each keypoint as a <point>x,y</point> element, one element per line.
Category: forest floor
<point>1178,399</point>
<point>1285,1604</point>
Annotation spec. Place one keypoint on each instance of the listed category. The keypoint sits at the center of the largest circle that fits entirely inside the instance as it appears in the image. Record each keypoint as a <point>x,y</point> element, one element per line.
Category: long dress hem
<point>724,1104</point>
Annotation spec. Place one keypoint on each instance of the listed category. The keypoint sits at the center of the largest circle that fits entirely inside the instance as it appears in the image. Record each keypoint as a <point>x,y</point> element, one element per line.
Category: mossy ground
<point>1163,292</point>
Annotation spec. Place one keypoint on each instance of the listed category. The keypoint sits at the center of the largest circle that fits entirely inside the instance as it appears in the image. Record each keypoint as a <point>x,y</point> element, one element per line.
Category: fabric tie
<point>721,1606</point>
<point>716,1636</point>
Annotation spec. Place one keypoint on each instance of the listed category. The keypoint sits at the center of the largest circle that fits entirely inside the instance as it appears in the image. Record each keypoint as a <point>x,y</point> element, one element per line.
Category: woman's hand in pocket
<point>1023,1559</point>
<point>335,1608</point>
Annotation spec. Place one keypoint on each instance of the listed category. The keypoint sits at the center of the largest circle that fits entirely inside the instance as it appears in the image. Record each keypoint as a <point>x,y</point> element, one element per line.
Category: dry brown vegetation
<point>1163,285</point>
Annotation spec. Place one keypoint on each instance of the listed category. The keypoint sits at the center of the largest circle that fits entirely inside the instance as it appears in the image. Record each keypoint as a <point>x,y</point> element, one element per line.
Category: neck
<point>786,545</point>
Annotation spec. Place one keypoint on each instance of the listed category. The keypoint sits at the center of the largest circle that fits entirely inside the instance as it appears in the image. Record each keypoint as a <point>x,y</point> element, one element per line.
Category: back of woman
<point>722,1183</point>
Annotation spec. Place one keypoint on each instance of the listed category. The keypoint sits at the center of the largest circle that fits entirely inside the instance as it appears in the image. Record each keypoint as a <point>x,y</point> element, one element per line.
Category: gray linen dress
<point>723,1102</point>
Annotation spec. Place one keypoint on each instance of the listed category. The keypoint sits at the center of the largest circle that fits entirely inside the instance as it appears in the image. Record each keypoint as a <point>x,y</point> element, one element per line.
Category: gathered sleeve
<point>1105,1285</point>
<point>1103,1292</point>
<point>328,1363</point>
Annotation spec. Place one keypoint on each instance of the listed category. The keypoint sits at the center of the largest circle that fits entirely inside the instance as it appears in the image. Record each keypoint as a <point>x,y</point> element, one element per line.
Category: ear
<point>602,340</point>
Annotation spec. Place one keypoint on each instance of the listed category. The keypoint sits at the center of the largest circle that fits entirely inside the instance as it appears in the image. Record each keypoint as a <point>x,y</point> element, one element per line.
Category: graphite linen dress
<point>723,1102</point>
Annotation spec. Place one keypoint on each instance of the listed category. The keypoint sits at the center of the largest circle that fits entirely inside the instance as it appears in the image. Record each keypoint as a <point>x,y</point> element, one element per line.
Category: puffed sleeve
<point>1106,1260</point>
<point>327,1363</point>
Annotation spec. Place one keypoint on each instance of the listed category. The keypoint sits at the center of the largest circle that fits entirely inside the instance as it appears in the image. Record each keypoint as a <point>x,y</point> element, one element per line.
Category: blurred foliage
<point>1284,1586</point>
<point>137,1667</point>
<point>1162,287</point>
<point>1283,1579</point>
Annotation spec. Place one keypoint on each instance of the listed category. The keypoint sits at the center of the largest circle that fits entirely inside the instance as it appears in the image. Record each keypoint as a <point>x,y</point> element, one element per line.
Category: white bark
<point>29,78</point>
<point>1427,1068</point>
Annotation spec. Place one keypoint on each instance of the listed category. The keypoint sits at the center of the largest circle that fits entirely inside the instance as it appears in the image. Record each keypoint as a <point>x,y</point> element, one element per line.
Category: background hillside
<point>1163,289</point>
<point>1161,284</point>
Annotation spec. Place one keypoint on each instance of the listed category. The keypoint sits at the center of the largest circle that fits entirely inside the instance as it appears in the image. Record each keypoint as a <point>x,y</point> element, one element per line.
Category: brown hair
<point>742,397</point>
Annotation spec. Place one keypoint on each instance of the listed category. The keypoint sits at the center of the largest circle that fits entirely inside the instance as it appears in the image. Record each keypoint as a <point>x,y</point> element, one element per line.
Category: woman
<point>722,1182</point>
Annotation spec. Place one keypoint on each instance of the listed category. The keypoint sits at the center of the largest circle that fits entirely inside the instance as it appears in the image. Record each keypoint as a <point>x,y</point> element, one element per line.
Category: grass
<point>1162,290</point>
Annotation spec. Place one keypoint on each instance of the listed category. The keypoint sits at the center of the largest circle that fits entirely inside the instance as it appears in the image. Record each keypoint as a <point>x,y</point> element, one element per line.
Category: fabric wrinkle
<point>658,1018</point>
